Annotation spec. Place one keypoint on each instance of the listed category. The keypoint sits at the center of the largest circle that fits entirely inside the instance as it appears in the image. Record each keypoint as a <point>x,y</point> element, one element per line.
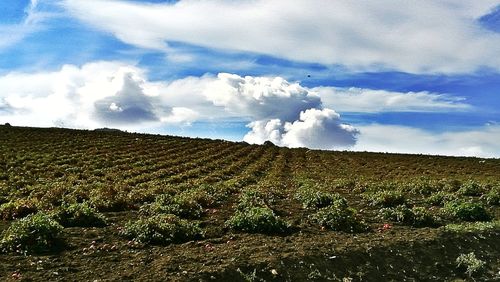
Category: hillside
<point>115,206</point>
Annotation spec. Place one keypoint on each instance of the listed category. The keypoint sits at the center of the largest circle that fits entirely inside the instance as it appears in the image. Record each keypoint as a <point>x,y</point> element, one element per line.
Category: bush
<point>423,218</point>
<point>315,199</point>
<point>339,218</point>
<point>79,214</point>
<point>257,220</point>
<point>473,227</point>
<point>252,198</point>
<point>470,263</point>
<point>493,196</point>
<point>423,186</point>
<point>440,198</point>
<point>387,198</point>
<point>470,188</point>
<point>34,233</point>
<point>416,217</point>
<point>467,211</point>
<point>450,185</point>
<point>162,229</point>
<point>183,205</point>
<point>18,209</point>
<point>208,195</point>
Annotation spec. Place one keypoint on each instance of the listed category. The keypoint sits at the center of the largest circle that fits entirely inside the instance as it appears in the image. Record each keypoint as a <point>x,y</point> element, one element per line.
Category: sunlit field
<point>111,205</point>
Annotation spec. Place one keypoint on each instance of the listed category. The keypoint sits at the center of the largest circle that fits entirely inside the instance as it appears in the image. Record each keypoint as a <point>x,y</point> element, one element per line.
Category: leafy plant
<point>79,214</point>
<point>467,211</point>
<point>493,196</point>
<point>386,198</point>
<point>312,198</point>
<point>416,216</point>
<point>18,209</point>
<point>257,220</point>
<point>183,205</point>
<point>470,263</point>
<point>470,188</point>
<point>162,229</point>
<point>440,198</point>
<point>423,186</point>
<point>339,218</point>
<point>252,198</point>
<point>473,227</point>
<point>34,233</point>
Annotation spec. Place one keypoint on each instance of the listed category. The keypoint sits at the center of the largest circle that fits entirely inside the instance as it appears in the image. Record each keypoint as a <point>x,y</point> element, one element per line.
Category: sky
<point>419,78</point>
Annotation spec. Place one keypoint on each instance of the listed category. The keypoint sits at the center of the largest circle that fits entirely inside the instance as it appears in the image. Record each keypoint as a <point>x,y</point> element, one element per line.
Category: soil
<point>34,159</point>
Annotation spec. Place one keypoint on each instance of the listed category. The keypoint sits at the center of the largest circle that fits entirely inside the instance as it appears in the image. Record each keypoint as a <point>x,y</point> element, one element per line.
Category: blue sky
<point>422,78</point>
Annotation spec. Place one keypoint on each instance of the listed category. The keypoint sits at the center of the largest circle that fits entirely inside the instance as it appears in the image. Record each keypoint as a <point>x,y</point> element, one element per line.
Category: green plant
<point>257,220</point>
<point>473,227</point>
<point>339,218</point>
<point>423,186</point>
<point>470,263</point>
<point>423,218</point>
<point>312,198</point>
<point>467,211</point>
<point>470,188</point>
<point>79,214</point>
<point>162,229</point>
<point>493,196</point>
<point>440,198</point>
<point>18,209</point>
<point>183,205</point>
<point>252,198</point>
<point>34,233</point>
<point>416,216</point>
<point>386,198</point>
<point>450,185</point>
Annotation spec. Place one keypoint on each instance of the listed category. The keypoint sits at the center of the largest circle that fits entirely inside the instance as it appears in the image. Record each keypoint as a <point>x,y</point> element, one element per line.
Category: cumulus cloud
<point>318,129</point>
<point>94,95</point>
<point>181,115</point>
<point>265,130</point>
<point>480,142</point>
<point>128,105</point>
<point>261,97</point>
<point>121,95</point>
<point>418,37</point>
<point>375,101</point>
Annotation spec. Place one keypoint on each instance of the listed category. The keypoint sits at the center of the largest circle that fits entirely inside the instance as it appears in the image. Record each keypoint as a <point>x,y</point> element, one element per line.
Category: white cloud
<point>480,142</point>
<point>318,129</point>
<point>375,101</point>
<point>116,94</point>
<point>260,97</point>
<point>33,20</point>
<point>96,94</point>
<point>418,37</point>
<point>265,130</point>
<point>181,115</point>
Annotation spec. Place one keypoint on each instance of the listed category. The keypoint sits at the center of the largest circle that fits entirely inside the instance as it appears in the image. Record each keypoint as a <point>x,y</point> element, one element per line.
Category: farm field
<point>107,205</point>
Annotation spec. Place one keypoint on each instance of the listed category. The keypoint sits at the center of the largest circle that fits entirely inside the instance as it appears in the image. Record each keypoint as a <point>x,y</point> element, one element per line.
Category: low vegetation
<point>34,233</point>
<point>161,229</point>
<point>470,264</point>
<point>79,203</point>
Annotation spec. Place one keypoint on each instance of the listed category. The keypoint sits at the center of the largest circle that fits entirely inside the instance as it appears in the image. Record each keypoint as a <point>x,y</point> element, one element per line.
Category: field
<point>113,206</point>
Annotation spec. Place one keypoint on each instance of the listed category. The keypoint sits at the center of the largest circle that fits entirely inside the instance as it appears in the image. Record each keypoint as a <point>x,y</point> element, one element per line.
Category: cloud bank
<point>116,94</point>
<point>316,129</point>
<point>479,142</point>
<point>423,37</point>
<point>361,100</point>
